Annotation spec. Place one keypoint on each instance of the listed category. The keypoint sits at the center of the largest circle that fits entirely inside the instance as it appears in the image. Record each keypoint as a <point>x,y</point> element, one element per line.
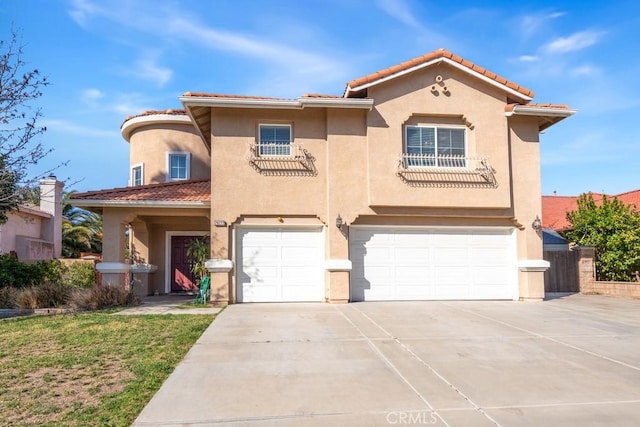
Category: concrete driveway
<point>567,361</point>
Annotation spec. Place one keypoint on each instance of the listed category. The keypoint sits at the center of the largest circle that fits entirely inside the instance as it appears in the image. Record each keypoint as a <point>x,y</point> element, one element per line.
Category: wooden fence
<point>563,275</point>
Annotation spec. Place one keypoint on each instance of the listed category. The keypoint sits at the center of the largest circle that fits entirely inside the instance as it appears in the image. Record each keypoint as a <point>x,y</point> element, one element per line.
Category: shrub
<point>100,297</point>
<point>48,295</point>
<point>8,297</point>
<point>79,275</point>
<point>21,274</point>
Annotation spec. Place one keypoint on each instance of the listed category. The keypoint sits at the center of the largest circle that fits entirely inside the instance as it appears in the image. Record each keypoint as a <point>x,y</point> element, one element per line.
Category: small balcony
<point>431,170</point>
<point>281,159</point>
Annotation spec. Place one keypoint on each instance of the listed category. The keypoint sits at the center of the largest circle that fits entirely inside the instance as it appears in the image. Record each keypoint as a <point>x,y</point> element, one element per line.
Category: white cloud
<point>585,70</point>
<point>147,69</point>
<point>528,58</point>
<point>532,24</point>
<point>301,62</point>
<point>576,41</point>
<point>92,94</point>
<point>399,10</point>
<point>71,128</point>
<point>82,10</point>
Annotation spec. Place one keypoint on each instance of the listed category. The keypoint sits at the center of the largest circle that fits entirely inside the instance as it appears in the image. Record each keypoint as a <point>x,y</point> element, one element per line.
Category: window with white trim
<point>178,165</point>
<point>274,140</point>
<point>434,146</point>
<point>137,174</point>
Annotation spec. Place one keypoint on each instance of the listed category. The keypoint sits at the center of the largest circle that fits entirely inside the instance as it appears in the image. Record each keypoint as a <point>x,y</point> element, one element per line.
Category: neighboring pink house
<point>35,233</point>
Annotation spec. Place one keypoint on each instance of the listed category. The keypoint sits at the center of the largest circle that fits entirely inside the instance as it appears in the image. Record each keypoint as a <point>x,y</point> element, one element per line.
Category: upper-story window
<point>137,174</point>
<point>275,140</point>
<point>435,146</point>
<point>178,165</point>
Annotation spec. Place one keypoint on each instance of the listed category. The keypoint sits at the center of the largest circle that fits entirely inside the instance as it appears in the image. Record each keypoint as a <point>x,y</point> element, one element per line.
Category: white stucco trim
<point>528,110</point>
<point>143,268</point>
<point>113,267</point>
<point>338,265</point>
<point>448,61</point>
<point>217,265</point>
<point>533,265</point>
<point>286,104</point>
<point>130,125</point>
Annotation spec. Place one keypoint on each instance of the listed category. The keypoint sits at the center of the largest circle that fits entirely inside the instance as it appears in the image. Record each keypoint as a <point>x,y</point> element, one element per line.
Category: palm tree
<point>81,230</point>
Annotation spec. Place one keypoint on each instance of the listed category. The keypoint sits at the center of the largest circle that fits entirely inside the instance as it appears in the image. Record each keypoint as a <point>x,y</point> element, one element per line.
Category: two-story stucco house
<point>420,182</point>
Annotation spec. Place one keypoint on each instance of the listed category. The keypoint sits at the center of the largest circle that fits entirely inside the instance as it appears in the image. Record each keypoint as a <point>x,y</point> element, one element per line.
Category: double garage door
<point>279,265</point>
<point>432,264</point>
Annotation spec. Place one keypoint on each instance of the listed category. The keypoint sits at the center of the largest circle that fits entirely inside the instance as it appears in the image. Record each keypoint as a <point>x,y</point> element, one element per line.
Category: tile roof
<point>320,95</point>
<point>179,191</point>
<point>170,112</point>
<point>556,208</point>
<point>228,96</point>
<point>437,54</point>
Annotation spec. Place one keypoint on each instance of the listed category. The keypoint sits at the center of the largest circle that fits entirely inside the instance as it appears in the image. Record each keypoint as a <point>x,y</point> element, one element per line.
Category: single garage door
<point>280,265</point>
<point>432,264</point>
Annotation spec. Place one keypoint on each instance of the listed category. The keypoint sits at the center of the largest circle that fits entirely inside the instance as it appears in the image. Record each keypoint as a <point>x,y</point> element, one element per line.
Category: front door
<point>182,279</point>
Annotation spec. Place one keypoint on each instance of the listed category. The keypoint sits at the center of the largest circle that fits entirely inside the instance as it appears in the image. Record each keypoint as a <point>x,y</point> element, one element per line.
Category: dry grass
<point>88,369</point>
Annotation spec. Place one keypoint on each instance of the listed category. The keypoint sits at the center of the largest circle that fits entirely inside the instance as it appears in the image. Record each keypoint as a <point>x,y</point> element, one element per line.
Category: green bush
<point>79,275</point>
<point>19,274</point>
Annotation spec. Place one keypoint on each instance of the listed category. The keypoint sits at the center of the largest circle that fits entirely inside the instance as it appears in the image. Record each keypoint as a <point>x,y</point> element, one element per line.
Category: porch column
<point>113,243</point>
<point>220,266</point>
<point>337,265</point>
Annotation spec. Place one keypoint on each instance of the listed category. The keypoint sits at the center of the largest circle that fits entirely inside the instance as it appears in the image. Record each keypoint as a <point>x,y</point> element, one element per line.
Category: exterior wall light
<point>339,221</point>
<point>537,224</point>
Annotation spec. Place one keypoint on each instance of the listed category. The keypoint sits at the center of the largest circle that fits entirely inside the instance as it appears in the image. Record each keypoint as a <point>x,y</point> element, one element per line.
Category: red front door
<point>182,279</point>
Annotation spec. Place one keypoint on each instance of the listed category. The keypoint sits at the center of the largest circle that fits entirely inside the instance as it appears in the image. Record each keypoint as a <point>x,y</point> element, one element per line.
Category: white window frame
<point>422,163</point>
<point>133,175</point>
<point>274,149</point>
<point>187,156</point>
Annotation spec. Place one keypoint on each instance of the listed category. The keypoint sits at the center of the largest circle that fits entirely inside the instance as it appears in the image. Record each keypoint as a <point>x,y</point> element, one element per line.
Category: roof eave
<point>127,128</point>
<point>292,104</point>
<point>550,115</point>
<point>513,92</point>
<point>90,203</point>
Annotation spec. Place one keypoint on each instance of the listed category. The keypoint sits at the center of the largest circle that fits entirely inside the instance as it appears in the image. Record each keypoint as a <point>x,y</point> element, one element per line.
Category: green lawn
<point>88,369</point>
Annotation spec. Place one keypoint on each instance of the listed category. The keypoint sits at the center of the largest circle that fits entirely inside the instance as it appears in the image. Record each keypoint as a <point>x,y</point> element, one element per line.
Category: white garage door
<point>280,265</point>
<point>432,264</point>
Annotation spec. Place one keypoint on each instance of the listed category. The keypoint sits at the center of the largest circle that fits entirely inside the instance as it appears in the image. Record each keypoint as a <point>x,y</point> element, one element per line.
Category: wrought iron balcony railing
<point>449,168</point>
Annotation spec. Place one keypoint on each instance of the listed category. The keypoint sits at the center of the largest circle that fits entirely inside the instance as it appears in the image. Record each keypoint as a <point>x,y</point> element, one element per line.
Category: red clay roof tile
<point>556,208</point>
<point>222,95</point>
<point>178,191</point>
<point>440,53</point>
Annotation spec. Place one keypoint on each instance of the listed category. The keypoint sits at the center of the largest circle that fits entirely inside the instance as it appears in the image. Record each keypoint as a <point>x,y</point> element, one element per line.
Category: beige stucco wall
<point>150,144</point>
<point>353,154</point>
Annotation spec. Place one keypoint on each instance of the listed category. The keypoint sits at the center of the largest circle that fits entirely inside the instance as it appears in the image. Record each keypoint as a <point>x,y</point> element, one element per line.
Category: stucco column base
<point>338,283</point>
<point>531,277</point>
<point>219,288</point>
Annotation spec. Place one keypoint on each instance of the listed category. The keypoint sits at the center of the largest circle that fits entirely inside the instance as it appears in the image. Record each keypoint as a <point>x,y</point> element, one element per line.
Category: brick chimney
<point>51,202</point>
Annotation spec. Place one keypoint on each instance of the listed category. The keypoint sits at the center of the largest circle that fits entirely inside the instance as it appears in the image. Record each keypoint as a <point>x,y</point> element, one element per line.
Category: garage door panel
<point>280,265</point>
<point>412,275</point>
<point>432,263</point>
<point>411,255</point>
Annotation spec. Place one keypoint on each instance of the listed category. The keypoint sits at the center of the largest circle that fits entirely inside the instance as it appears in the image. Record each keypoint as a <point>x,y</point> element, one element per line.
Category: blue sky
<point>110,59</point>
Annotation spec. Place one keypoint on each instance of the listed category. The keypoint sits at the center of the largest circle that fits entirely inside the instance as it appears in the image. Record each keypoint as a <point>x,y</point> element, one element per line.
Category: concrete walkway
<point>571,361</point>
<point>168,304</point>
